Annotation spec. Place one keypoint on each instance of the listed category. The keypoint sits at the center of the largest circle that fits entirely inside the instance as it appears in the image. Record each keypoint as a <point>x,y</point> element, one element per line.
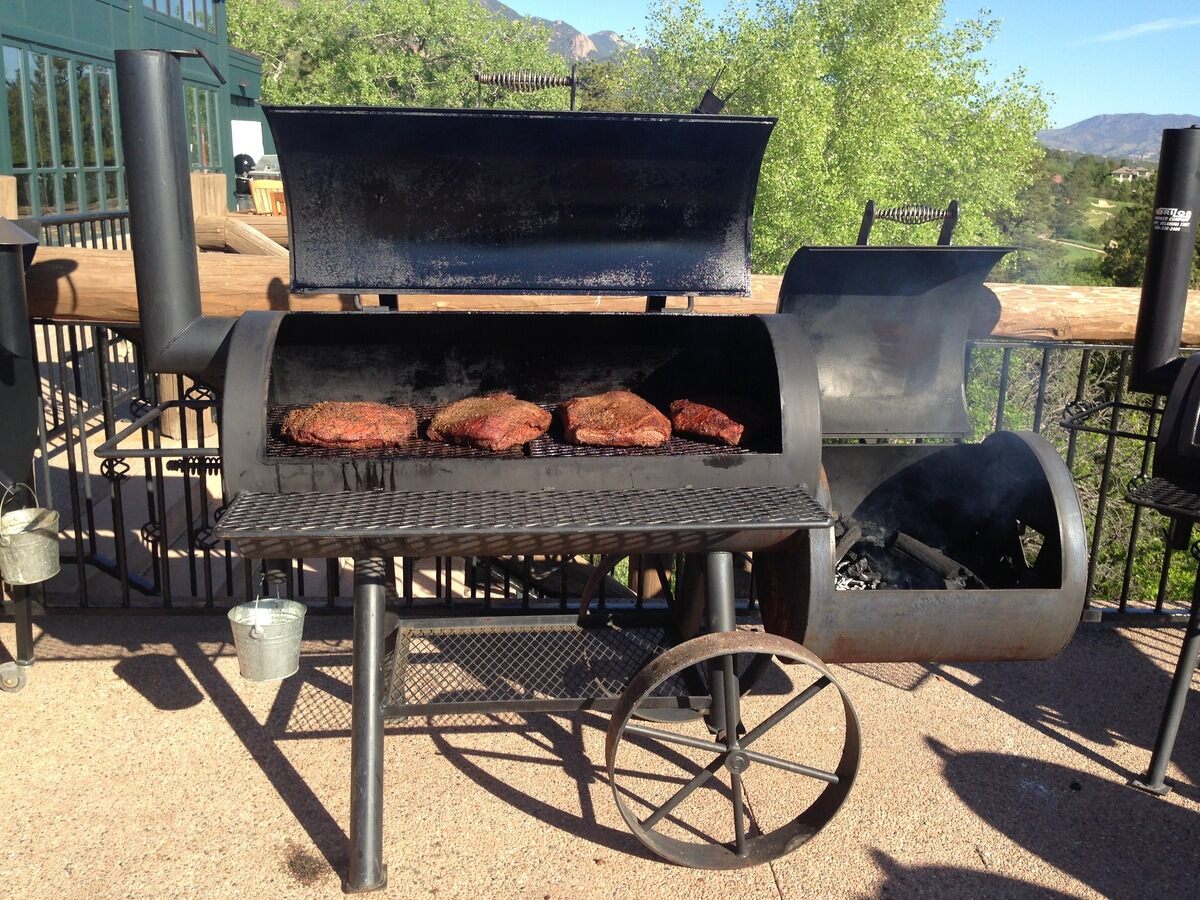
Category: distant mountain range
<point>1122,136</point>
<point>565,40</point>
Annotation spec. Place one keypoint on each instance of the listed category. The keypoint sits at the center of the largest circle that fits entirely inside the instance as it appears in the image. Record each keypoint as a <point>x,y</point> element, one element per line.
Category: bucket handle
<point>255,631</point>
<point>11,493</point>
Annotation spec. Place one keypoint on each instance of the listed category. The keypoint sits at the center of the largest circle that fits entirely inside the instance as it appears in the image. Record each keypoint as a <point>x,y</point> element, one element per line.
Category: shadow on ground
<point>1146,847</point>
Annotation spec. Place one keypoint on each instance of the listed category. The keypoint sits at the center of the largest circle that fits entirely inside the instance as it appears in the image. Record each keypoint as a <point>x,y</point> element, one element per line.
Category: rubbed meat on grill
<point>615,419</point>
<point>350,425</point>
<point>496,422</point>
<point>715,420</point>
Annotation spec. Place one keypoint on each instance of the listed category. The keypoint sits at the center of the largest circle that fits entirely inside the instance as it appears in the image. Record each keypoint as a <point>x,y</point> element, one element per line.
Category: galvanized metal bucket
<point>266,635</point>
<point>28,541</point>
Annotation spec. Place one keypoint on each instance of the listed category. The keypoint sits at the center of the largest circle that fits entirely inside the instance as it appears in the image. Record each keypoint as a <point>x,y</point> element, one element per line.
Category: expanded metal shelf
<point>499,523</point>
<point>535,664</point>
<point>1166,497</point>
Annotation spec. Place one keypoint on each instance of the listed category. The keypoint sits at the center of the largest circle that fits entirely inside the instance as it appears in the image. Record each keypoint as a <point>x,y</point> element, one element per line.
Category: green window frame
<point>203,132</point>
<point>197,13</point>
<point>61,125</point>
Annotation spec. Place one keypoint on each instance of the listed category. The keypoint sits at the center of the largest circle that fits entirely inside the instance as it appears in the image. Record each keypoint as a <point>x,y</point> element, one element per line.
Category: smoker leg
<point>367,871</point>
<point>1176,698</point>
<point>722,616</point>
<point>23,612</point>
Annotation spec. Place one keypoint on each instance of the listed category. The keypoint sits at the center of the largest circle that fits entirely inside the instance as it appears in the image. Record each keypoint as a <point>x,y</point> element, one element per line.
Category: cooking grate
<point>420,447</point>
<point>549,662</point>
<point>1166,497</point>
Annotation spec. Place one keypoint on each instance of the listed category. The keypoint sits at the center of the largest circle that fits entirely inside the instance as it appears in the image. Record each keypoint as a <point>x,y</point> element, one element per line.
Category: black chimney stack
<point>1156,359</point>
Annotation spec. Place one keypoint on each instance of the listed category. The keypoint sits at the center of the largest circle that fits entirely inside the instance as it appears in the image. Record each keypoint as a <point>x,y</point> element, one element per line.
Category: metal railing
<point>137,531</point>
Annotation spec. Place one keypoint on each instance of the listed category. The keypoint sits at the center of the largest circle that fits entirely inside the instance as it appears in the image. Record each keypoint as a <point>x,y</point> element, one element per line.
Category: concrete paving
<point>136,763</point>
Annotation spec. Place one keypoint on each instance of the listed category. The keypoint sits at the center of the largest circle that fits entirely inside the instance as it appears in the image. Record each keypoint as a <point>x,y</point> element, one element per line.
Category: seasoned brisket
<point>496,422</point>
<point>615,419</point>
<point>716,420</point>
<point>350,425</point>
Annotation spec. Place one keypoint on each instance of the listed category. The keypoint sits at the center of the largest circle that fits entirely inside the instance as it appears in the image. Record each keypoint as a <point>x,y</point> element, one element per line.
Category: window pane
<point>62,106</point>
<point>206,142</point>
<point>49,193</point>
<point>189,103</point>
<point>104,94</point>
<point>188,15</point>
<point>112,196</point>
<point>210,16</point>
<point>87,129</point>
<point>176,9</point>
<point>93,190</point>
<point>43,147</point>
<point>24,203</point>
<point>13,89</point>
<point>70,192</point>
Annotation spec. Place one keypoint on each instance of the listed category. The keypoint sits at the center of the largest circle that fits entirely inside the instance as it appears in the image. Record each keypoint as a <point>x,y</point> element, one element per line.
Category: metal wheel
<point>714,819</point>
<point>12,677</point>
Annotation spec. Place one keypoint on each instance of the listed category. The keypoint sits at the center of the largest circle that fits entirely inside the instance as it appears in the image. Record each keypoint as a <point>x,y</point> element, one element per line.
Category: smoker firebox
<point>889,327</point>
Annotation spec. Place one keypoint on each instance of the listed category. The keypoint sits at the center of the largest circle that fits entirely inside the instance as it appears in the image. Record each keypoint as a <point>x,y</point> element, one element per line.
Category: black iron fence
<point>137,530</point>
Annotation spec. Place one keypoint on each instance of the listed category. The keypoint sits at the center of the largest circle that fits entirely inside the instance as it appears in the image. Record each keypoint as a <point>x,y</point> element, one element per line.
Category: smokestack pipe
<point>177,338</point>
<point>1156,360</point>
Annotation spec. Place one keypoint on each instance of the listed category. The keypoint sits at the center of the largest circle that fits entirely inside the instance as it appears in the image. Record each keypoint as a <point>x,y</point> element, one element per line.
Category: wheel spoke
<point>739,814</point>
<point>732,698</point>
<point>784,711</point>
<point>682,794</point>
<point>671,737</point>
<point>795,768</point>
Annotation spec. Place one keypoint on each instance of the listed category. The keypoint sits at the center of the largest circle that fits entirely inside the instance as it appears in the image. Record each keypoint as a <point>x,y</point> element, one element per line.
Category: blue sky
<point>1094,56</point>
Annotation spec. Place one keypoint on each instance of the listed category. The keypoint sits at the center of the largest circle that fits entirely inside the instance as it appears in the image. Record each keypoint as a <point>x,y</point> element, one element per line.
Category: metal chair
<point>910,215</point>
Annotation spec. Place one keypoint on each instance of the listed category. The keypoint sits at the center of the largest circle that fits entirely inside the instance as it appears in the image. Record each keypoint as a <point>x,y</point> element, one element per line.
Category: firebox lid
<point>889,327</point>
<point>479,201</point>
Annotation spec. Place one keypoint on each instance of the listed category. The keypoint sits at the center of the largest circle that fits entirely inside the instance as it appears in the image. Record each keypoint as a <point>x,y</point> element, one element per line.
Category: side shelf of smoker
<point>1005,508</point>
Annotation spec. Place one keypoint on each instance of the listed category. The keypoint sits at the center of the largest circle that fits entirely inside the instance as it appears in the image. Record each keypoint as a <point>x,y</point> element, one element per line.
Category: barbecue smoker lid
<point>385,200</point>
<point>889,327</point>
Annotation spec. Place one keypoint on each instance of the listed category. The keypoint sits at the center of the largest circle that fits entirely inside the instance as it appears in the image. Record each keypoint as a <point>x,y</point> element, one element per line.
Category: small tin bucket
<point>266,635</point>
<point>28,541</point>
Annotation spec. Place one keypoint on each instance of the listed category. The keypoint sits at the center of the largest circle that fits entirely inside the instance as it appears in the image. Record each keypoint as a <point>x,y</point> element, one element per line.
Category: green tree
<point>389,52</point>
<point>1128,235</point>
<point>875,100</point>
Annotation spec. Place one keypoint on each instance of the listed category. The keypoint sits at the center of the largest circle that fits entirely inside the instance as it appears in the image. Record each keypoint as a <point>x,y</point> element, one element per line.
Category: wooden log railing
<point>98,286</point>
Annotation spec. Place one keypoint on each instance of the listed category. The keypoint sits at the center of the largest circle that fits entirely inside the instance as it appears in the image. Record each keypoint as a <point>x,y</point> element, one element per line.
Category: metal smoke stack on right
<point>1156,360</point>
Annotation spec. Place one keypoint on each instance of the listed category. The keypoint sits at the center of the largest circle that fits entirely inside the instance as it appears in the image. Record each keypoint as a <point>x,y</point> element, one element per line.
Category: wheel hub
<point>737,761</point>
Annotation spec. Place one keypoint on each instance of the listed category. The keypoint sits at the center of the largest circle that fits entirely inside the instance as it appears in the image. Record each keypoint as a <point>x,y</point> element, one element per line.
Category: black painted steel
<point>427,359</point>
<point>498,523</point>
<point>367,870</point>
<point>19,410</point>
<point>177,337</point>
<point>889,327</point>
<point>542,663</point>
<point>501,201</point>
<point>1181,683</point>
<point>1169,253</point>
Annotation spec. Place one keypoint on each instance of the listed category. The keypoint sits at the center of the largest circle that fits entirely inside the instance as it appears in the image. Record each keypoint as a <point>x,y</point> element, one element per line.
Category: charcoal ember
<point>720,419</point>
<point>613,419</point>
<point>855,573</point>
<point>496,422</point>
<point>350,425</point>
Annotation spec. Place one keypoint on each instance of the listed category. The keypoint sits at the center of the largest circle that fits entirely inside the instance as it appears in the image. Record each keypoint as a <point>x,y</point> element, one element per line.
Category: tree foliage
<point>389,52</point>
<point>875,100</point>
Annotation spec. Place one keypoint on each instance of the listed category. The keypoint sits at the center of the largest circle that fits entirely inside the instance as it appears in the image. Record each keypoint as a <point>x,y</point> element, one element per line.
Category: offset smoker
<point>1174,489</point>
<point>974,551</point>
<point>387,200</point>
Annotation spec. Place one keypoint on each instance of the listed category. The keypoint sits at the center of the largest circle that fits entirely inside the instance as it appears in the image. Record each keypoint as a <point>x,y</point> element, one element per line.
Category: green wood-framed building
<point>58,128</point>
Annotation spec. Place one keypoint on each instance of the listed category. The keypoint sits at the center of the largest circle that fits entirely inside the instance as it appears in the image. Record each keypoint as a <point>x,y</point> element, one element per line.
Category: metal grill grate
<point>544,663</point>
<point>443,512</point>
<point>1166,497</point>
<point>420,447</point>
